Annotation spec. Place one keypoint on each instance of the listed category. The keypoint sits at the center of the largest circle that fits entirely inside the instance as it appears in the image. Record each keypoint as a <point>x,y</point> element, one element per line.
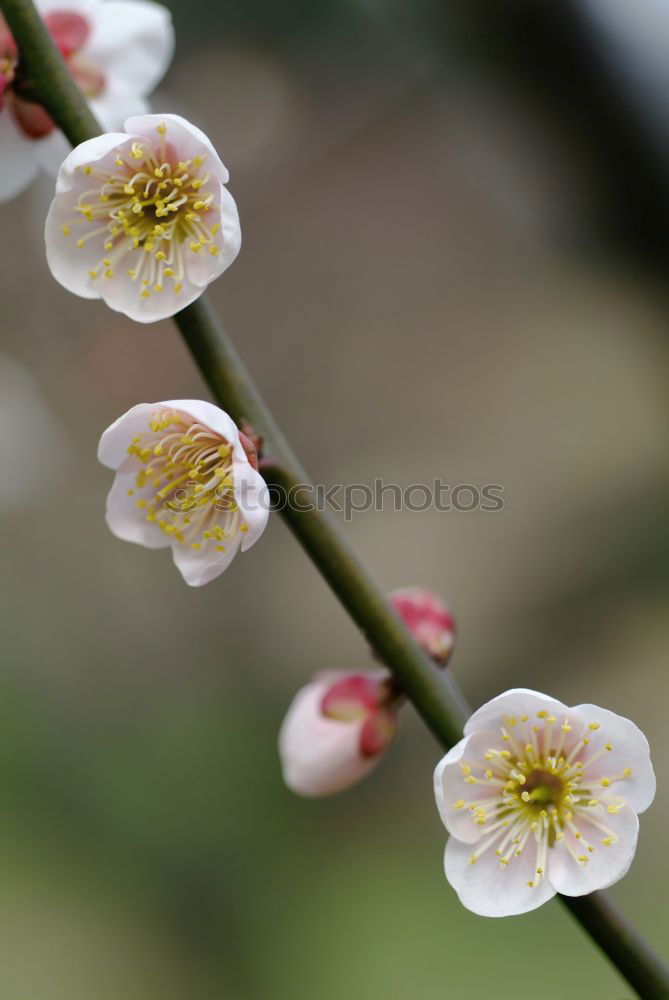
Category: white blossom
<point>539,798</point>
<point>142,218</point>
<point>186,479</point>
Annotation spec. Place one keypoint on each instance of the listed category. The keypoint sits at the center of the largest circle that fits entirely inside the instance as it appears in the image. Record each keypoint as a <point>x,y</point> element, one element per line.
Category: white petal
<point>605,865</point>
<point>210,416</point>
<point>124,518</point>
<point>201,267</point>
<point>113,446</point>
<point>252,498</point>
<point>18,160</point>
<point>131,41</point>
<point>115,104</point>
<point>122,295</point>
<point>69,264</point>
<point>491,889</point>
<point>320,756</point>
<point>89,152</point>
<point>200,566</point>
<point>51,151</point>
<point>516,702</point>
<point>188,139</point>
<point>450,785</point>
<point>630,750</point>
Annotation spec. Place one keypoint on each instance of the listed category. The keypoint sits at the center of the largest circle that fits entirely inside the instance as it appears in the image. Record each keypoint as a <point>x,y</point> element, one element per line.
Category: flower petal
<point>113,446</point>
<point>252,498</point>
<point>630,750</point>
<point>450,786</point>
<point>124,518</point>
<point>491,889</point>
<point>320,756</point>
<point>19,162</point>
<point>51,151</point>
<point>188,138</point>
<point>132,41</point>
<point>605,865</point>
<point>198,567</point>
<point>516,702</point>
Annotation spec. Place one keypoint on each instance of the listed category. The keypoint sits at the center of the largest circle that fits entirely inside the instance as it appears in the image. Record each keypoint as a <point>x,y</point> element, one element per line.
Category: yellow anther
<point>565,727</point>
<point>80,244</point>
<point>92,274</point>
<point>132,272</point>
<point>583,858</point>
<point>213,250</point>
<point>525,796</point>
<point>157,288</point>
<point>197,184</point>
<point>593,725</point>
<point>489,774</point>
<point>627,772</point>
<point>177,288</point>
<point>199,205</point>
<point>605,782</point>
<point>161,129</point>
<point>168,272</point>
<point>244,527</point>
<point>196,545</point>
<point>131,493</point>
<point>607,841</point>
<point>119,162</point>
<point>542,713</point>
<point>158,450</point>
<point>109,245</point>
<point>593,802</point>
<point>607,746</point>
<point>214,229</point>
<point>128,189</point>
<point>137,208</point>
<point>531,885</point>
<point>613,809</point>
<point>140,503</point>
<point>198,160</point>
<point>220,548</point>
<point>473,859</point>
<point>160,255</point>
<point>88,170</point>
<point>195,246</point>
<point>459,804</point>
<point>65,229</point>
<point>109,273</point>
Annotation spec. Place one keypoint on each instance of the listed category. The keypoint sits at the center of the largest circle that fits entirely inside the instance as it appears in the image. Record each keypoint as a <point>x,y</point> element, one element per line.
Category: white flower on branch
<point>336,730</point>
<point>115,50</point>
<point>142,218</point>
<point>539,798</point>
<point>185,478</point>
<point>428,618</point>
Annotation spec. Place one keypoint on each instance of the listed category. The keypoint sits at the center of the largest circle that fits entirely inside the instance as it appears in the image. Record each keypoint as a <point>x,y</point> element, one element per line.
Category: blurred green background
<point>455,225</point>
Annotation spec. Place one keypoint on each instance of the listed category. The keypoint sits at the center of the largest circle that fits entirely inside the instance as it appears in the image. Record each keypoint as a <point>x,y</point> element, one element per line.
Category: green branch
<point>435,695</point>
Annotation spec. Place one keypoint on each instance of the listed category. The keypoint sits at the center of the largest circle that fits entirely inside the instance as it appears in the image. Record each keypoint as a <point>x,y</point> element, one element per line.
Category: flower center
<point>149,213</point>
<point>69,31</point>
<point>185,482</point>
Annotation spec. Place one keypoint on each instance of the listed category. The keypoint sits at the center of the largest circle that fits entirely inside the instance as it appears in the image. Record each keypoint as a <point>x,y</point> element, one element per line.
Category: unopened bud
<point>428,619</point>
<point>335,731</point>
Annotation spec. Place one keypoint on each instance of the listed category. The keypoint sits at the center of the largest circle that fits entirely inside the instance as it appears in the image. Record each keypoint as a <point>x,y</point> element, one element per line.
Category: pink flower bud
<point>335,731</point>
<point>428,619</point>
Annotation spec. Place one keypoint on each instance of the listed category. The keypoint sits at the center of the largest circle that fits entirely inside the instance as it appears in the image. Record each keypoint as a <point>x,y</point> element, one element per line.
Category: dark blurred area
<point>456,233</point>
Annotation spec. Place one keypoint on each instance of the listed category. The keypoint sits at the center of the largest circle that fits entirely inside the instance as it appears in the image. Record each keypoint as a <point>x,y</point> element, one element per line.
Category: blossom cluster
<point>537,797</point>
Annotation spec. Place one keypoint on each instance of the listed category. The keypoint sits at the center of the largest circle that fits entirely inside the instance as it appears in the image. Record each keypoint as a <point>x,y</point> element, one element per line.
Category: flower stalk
<point>436,696</point>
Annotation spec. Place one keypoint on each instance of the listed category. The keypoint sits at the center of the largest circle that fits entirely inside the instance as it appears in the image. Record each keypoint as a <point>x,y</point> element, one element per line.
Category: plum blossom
<point>336,730</point>
<point>428,619</point>
<point>185,478</point>
<point>539,798</point>
<point>142,219</point>
<point>115,50</point>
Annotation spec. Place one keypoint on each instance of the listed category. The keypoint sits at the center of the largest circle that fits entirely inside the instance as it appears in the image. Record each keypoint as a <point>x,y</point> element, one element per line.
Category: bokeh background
<point>456,224</point>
